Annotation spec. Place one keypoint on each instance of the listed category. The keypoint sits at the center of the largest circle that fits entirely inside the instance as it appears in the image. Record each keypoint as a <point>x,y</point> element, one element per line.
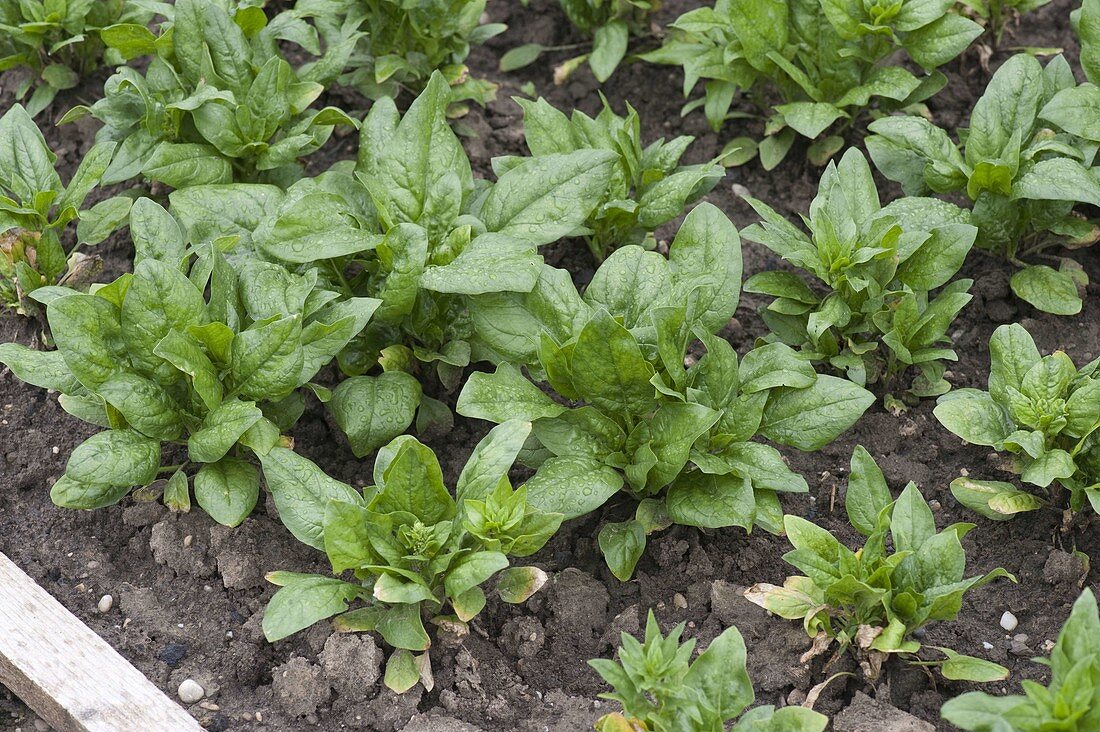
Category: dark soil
<point>189,595</point>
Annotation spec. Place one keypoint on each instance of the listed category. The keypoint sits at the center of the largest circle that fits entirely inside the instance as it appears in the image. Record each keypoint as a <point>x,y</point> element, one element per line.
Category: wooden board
<point>69,675</point>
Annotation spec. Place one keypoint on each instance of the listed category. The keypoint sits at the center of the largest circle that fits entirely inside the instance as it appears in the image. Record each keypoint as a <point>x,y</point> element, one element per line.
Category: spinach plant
<point>661,689</point>
<point>58,42</point>
<point>872,600</point>
<point>609,23</point>
<point>396,45</point>
<point>648,185</point>
<point>829,61</point>
<point>1024,162</point>
<point>877,318</point>
<point>409,224</point>
<point>1086,23</point>
<point>1071,701</point>
<point>217,103</point>
<point>676,438</point>
<point>1042,410</point>
<point>415,550</point>
<point>36,209</point>
<point>996,14</point>
<point>211,381</point>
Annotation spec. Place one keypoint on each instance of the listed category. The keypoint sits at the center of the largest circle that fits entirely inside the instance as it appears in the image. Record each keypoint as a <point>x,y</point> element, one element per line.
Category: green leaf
<point>1047,289</point>
<point>810,119</point>
<point>711,501</point>
<point>503,395</point>
<point>629,284</point>
<point>811,418</point>
<point>491,460</point>
<point>958,667</point>
<point>27,162</point>
<point>412,482</point>
<point>489,263</point>
<point>705,257</point>
<point>129,39</point>
<point>518,584</point>
<point>372,410</point>
<point>975,417</point>
<point>546,198</point>
<point>88,334</point>
<point>304,601</point>
<point>401,672</point>
<point>115,458</point>
<point>720,676</point>
<point>993,499</point>
<point>44,369</point>
<point>301,492</point>
<point>220,430</point>
<point>572,486</point>
<point>622,545</point>
<point>520,56</point>
<point>180,165</point>
<point>867,494</point>
<point>608,48</point>
<point>912,522</point>
<point>267,359</point>
<point>69,493</point>
<point>144,404</point>
<point>609,370</point>
<point>227,490</point>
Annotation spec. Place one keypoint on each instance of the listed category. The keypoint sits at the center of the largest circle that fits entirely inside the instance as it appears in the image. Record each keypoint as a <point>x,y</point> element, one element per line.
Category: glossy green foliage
<point>387,46</point>
<point>416,551</point>
<point>829,60</point>
<point>889,298</point>
<point>217,102</point>
<point>649,187</point>
<point>1041,409</point>
<point>1025,161</point>
<point>873,599</point>
<point>1070,702</point>
<point>410,225</point>
<point>662,689</point>
<point>36,208</point>
<point>678,438</point>
<point>210,380</point>
<point>58,42</point>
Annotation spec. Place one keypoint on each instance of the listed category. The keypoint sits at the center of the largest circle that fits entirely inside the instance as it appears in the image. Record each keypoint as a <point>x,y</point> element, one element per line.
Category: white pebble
<point>190,692</point>
<point>987,645</point>
<point>106,603</point>
<point>1009,621</point>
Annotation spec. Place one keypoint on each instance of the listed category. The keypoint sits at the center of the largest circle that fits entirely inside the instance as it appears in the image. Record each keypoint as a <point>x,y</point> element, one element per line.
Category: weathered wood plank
<point>69,675</point>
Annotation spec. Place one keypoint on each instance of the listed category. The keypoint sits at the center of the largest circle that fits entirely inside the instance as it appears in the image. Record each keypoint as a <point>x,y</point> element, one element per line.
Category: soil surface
<point>188,595</point>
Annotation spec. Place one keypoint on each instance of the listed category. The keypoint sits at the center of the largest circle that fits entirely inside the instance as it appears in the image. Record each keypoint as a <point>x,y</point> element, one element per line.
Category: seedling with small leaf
<point>677,438</point>
<point>217,103</point>
<point>648,185</point>
<point>393,45</point>
<point>1071,701</point>
<point>169,373</point>
<point>59,42</point>
<point>1041,409</point>
<point>662,689</point>
<point>878,318</point>
<point>1024,162</point>
<point>416,551</point>
<point>995,15</point>
<point>872,600</point>
<point>829,61</point>
<point>609,23</point>
<point>36,210</point>
<point>409,223</point>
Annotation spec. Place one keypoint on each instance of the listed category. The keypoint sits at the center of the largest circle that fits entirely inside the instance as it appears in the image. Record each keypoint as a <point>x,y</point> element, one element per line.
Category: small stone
<point>680,601</point>
<point>987,645</point>
<point>935,506</point>
<point>106,603</point>
<point>190,692</point>
<point>1009,621</point>
<point>187,541</point>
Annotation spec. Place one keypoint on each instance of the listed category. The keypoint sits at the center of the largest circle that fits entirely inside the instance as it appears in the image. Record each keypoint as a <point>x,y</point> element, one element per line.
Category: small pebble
<point>106,603</point>
<point>187,540</point>
<point>680,601</point>
<point>190,692</point>
<point>987,645</point>
<point>1009,621</point>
